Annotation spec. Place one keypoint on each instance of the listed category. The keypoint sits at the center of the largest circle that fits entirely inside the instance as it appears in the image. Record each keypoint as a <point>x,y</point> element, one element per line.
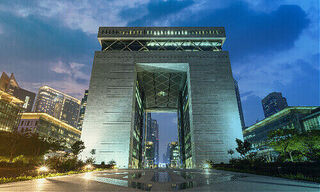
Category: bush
<point>64,164</point>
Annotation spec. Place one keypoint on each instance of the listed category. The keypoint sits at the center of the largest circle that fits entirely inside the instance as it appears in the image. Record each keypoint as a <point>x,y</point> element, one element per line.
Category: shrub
<point>64,164</point>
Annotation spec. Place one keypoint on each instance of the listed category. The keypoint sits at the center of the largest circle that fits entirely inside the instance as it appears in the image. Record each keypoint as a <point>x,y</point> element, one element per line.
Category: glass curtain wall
<point>184,128</point>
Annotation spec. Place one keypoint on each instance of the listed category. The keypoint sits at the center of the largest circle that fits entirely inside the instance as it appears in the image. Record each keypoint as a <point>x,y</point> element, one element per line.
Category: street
<point>161,180</point>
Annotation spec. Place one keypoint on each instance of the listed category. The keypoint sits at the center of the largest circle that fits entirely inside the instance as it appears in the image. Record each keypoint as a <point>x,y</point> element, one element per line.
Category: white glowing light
<point>89,166</point>
<point>43,169</point>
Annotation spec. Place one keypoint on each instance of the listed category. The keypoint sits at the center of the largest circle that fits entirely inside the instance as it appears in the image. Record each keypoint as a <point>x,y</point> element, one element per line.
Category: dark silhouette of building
<point>58,105</point>
<point>273,103</point>
<point>236,87</point>
<point>82,109</point>
<point>10,85</point>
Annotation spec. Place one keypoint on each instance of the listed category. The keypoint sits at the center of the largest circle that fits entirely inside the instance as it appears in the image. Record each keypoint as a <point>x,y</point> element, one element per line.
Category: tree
<point>310,145</point>
<point>243,147</point>
<point>77,147</point>
<point>285,141</point>
<point>93,151</point>
<point>231,152</point>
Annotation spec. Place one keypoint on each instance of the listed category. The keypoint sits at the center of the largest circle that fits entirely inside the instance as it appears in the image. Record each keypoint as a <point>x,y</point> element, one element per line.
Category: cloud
<point>155,12</point>
<point>84,15</point>
<point>69,78</point>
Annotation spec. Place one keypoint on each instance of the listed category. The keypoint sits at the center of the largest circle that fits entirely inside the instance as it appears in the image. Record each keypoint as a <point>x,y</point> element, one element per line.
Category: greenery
<point>243,147</point>
<point>77,147</point>
<point>26,146</point>
<point>296,147</point>
<point>298,156</point>
<point>25,177</point>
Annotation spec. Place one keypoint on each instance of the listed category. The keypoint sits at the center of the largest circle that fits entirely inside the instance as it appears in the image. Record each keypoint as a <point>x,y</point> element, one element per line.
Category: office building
<point>297,118</point>
<point>174,157</point>
<point>82,110</point>
<point>152,135</point>
<point>47,126</point>
<point>10,85</point>
<point>273,103</point>
<point>161,69</point>
<point>149,158</point>
<point>10,108</point>
<point>58,105</point>
<point>311,121</point>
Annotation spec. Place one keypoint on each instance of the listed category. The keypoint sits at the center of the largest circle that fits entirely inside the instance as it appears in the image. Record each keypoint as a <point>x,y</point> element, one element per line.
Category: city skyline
<point>62,57</point>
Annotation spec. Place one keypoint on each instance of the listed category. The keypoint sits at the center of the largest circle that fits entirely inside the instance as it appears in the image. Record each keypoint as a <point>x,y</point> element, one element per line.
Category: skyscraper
<point>10,85</point>
<point>152,136</point>
<point>82,110</point>
<point>236,87</point>
<point>273,103</point>
<point>58,105</point>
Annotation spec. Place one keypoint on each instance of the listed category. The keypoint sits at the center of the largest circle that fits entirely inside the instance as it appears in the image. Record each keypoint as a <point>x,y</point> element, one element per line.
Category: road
<point>161,180</point>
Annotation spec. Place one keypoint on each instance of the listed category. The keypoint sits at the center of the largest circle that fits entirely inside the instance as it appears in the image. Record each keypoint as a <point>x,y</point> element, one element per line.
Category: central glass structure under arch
<point>161,69</point>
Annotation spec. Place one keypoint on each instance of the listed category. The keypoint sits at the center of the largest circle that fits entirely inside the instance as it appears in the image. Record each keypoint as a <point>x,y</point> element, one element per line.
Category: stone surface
<point>162,180</point>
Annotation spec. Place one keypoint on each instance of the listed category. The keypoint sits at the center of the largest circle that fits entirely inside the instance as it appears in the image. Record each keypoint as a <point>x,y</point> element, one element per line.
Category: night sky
<point>273,44</point>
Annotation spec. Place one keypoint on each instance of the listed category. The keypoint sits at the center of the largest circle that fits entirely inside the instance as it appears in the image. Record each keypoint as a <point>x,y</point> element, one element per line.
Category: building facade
<point>161,69</point>
<point>288,118</point>
<point>236,87</point>
<point>58,105</point>
<point>48,126</point>
<point>152,135</point>
<point>82,109</point>
<point>312,121</point>
<point>273,103</point>
<point>174,157</point>
<point>10,108</point>
<point>10,85</point>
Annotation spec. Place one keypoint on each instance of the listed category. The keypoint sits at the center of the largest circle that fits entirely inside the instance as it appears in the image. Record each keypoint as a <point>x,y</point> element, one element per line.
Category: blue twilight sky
<point>273,44</point>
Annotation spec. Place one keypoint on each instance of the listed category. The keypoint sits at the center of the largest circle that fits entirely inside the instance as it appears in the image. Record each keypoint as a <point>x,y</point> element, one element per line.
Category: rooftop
<point>207,33</point>
<point>275,116</point>
<point>45,87</point>
<point>11,99</point>
<point>50,119</point>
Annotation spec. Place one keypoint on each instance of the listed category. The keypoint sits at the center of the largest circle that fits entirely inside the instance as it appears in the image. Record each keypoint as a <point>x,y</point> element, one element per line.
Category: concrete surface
<point>162,180</point>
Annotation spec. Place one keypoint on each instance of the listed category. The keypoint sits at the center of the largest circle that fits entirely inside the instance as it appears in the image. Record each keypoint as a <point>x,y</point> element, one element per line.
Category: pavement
<point>162,180</point>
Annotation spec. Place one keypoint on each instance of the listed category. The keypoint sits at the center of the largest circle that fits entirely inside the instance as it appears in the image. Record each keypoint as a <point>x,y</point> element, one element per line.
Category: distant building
<point>174,155</point>
<point>297,118</point>
<point>273,103</point>
<point>82,109</point>
<point>312,121</point>
<point>149,159</point>
<point>152,135</point>
<point>10,85</point>
<point>58,105</point>
<point>10,108</point>
<point>48,126</point>
<point>236,87</point>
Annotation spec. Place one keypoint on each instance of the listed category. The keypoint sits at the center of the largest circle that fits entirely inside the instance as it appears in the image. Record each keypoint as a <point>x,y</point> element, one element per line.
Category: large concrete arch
<point>110,123</point>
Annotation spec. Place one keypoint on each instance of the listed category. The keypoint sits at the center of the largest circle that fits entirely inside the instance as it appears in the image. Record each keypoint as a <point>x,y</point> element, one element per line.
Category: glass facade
<point>137,132</point>
<point>312,121</point>
<point>288,118</point>
<point>58,105</point>
<point>48,126</point>
<point>184,127</point>
<point>273,103</point>
<point>10,108</point>
<point>82,110</point>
